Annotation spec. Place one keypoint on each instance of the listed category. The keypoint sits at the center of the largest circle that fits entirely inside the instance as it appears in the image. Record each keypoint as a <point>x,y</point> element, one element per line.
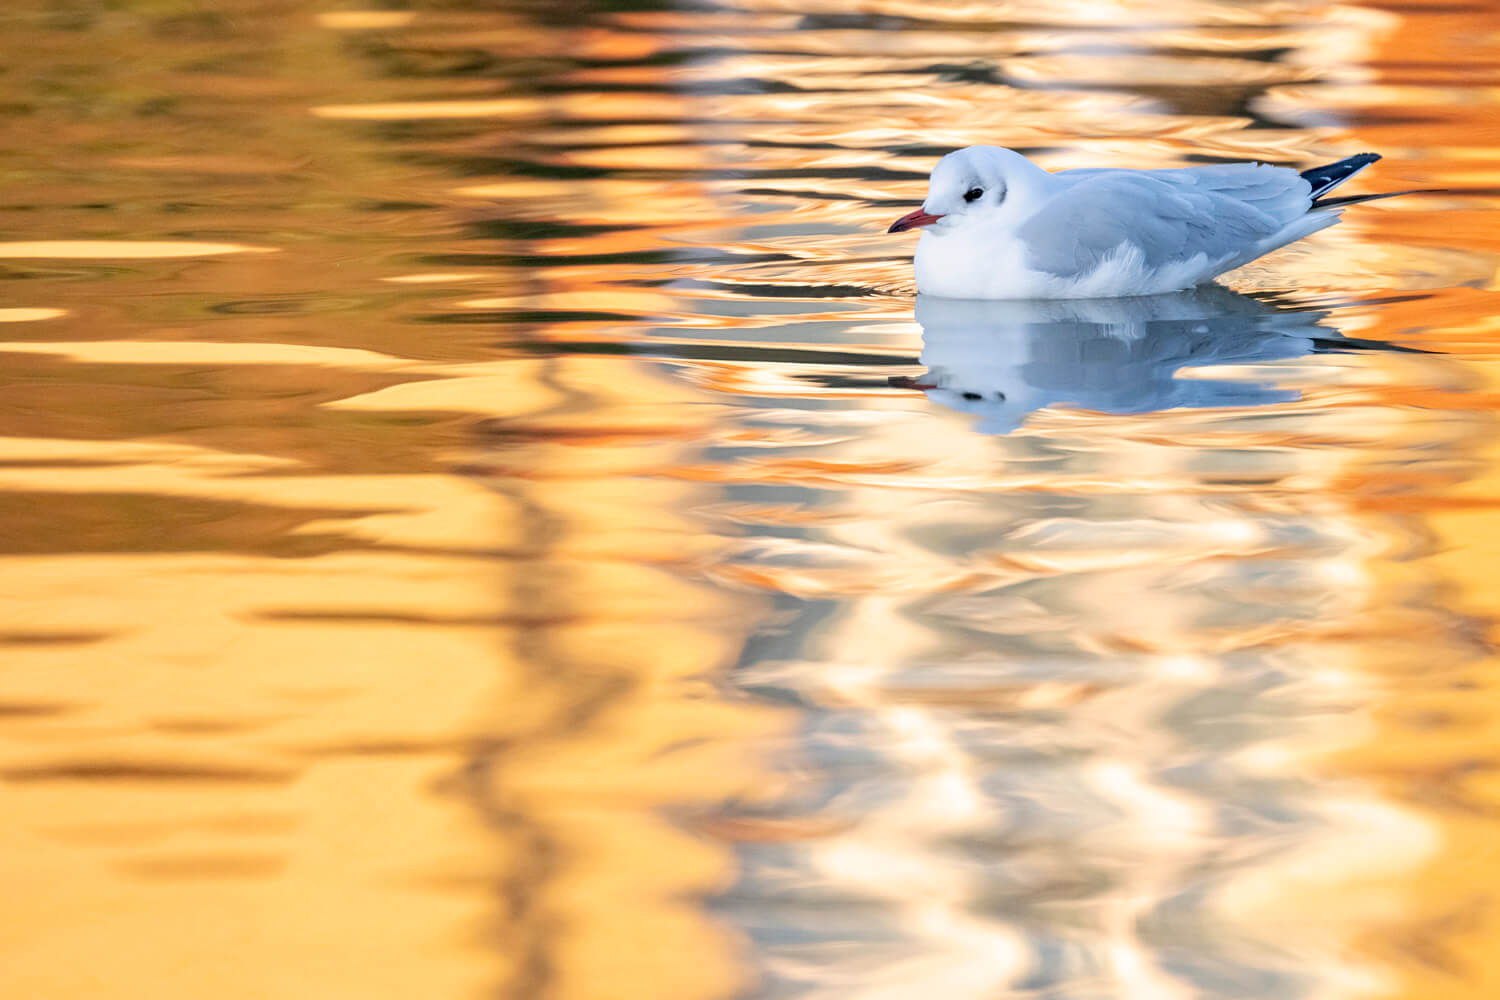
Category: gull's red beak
<point>913,220</point>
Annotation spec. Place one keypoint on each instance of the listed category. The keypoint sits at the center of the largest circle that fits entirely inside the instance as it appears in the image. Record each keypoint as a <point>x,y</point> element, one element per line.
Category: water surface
<point>487,516</point>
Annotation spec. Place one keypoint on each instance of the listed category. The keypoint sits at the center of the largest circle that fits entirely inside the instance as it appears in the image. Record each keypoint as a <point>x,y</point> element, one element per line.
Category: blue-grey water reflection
<point>1003,360</point>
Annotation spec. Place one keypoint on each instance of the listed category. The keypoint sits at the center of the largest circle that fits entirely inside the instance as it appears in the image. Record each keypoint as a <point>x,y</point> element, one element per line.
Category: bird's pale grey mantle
<point>997,226</point>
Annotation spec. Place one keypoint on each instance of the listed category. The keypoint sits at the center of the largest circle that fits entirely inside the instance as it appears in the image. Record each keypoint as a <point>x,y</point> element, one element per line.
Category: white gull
<point>997,226</point>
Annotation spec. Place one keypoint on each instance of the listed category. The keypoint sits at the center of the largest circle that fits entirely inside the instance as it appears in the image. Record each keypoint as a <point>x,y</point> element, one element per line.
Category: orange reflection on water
<point>120,249</point>
<point>557,572</point>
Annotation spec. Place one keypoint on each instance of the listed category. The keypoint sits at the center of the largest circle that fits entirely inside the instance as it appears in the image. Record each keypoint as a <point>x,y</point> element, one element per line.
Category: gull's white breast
<point>958,266</point>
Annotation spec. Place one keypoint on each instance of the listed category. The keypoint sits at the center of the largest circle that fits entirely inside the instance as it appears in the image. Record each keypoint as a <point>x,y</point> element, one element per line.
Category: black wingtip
<point>1329,176</point>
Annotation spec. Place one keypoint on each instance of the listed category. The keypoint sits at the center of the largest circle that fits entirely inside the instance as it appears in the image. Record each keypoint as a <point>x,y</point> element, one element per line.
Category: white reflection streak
<point>896,854</point>
<point>1158,842</point>
<point>1170,833</point>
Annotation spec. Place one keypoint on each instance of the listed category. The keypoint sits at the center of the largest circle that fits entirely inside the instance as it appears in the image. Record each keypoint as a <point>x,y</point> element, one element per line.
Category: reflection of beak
<point>913,221</point>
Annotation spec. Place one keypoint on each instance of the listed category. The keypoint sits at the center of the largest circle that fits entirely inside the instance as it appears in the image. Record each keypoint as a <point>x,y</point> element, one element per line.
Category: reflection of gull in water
<point>1001,360</point>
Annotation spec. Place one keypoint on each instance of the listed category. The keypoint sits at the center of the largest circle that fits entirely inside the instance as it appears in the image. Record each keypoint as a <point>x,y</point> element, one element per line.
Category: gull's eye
<point>973,194</point>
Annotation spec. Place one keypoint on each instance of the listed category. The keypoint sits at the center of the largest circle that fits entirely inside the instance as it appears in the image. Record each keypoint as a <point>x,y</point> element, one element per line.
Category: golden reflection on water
<point>567,567</point>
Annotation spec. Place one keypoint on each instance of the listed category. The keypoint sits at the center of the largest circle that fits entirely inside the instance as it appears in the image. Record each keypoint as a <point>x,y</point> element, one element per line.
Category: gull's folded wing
<point>1222,214</point>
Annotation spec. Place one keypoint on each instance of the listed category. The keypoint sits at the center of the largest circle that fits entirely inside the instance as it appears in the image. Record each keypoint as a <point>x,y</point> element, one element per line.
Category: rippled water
<point>487,517</point>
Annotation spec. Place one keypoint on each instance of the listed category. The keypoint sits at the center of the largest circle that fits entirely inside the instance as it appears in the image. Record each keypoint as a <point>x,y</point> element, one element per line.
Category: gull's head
<point>985,185</point>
